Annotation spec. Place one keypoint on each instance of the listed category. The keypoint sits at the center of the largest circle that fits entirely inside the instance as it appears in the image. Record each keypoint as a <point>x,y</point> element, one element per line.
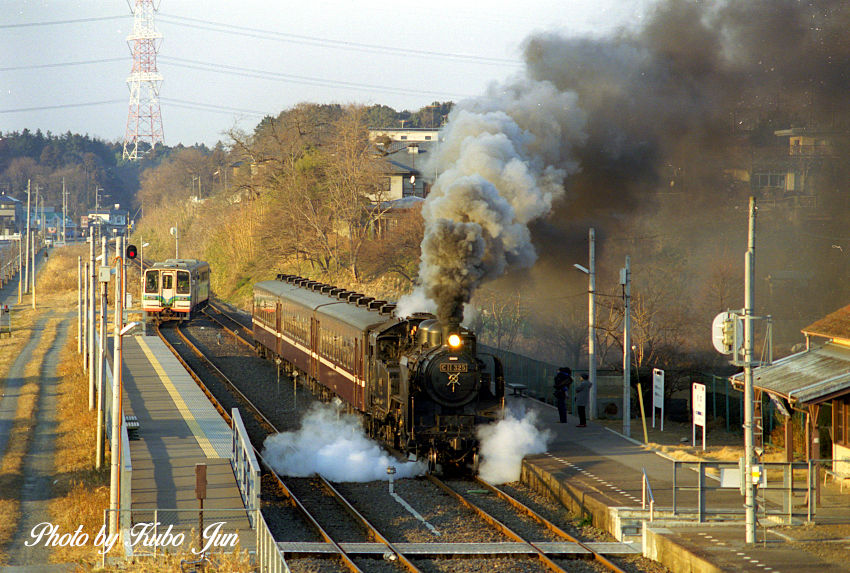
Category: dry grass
<point>11,465</point>
<point>81,492</point>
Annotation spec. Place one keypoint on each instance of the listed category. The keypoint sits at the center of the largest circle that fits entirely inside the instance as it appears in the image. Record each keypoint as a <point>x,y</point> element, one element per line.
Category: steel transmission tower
<point>144,120</point>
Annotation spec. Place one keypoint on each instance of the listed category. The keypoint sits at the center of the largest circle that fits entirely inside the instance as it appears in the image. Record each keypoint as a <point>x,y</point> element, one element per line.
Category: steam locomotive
<point>419,385</point>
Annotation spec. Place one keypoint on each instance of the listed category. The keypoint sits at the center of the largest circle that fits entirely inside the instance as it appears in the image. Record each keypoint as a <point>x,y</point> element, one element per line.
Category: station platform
<point>178,428</point>
<point>598,473</point>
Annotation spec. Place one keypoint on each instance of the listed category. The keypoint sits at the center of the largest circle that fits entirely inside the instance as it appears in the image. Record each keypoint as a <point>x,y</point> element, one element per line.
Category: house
<point>9,213</point>
<point>804,382</point>
<point>404,167</point>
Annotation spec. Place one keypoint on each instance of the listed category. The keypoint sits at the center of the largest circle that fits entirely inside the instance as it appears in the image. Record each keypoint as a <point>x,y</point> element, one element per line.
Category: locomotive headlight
<point>455,341</point>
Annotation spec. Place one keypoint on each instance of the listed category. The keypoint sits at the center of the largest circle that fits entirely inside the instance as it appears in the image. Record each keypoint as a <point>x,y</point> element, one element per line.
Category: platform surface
<point>178,428</point>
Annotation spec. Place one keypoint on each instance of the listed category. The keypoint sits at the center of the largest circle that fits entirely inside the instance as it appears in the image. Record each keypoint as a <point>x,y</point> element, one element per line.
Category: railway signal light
<point>131,251</point>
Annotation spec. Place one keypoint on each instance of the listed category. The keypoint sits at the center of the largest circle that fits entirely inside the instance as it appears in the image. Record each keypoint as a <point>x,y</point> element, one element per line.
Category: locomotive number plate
<point>454,367</point>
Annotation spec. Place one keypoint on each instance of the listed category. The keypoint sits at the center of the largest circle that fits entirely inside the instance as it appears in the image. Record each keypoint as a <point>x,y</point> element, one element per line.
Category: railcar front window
<point>167,281</point>
<point>152,281</point>
<point>182,282</point>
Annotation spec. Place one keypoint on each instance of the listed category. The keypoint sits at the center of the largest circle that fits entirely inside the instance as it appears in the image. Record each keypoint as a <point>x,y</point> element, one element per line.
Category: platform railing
<point>647,489</point>
<point>729,475</point>
<point>245,465</point>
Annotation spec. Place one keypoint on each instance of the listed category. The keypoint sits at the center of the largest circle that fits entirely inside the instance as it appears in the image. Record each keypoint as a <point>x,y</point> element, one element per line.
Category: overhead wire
<point>327,42</point>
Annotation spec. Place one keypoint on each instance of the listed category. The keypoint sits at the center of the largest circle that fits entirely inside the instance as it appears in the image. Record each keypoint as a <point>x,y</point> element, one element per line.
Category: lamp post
<point>625,280</point>
<point>591,320</point>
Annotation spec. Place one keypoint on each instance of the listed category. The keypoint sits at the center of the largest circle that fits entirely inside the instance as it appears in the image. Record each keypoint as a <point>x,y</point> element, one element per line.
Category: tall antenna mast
<point>144,120</point>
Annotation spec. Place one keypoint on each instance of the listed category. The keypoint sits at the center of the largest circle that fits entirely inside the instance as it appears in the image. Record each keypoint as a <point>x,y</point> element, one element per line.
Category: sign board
<point>698,404</point>
<point>201,481</point>
<point>658,394</point>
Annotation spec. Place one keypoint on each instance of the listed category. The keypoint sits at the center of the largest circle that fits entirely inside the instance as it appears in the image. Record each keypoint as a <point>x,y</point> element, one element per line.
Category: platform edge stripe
<point>185,412</point>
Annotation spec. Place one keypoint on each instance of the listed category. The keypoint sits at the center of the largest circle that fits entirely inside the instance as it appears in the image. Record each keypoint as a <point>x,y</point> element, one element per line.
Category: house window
<point>841,417</point>
<point>769,179</point>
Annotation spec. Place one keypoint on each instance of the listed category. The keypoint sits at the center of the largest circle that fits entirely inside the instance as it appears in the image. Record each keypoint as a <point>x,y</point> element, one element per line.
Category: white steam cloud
<point>505,443</point>
<point>334,446</point>
<point>502,164</point>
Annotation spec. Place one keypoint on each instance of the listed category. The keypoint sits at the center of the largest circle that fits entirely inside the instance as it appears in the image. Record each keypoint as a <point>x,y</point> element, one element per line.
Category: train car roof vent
<point>326,289</point>
<point>376,304</point>
<point>282,276</point>
<point>335,291</point>
<point>343,294</point>
<point>317,286</point>
<point>387,309</point>
<point>364,301</point>
<point>355,296</point>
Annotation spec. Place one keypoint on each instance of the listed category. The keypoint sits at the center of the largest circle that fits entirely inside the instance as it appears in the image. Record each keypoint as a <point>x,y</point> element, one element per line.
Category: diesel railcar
<point>175,288</point>
<point>420,386</point>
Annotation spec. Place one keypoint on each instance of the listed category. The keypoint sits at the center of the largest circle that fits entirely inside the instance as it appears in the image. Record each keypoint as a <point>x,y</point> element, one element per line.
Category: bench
<point>132,423</point>
<point>836,476</point>
<point>517,389</point>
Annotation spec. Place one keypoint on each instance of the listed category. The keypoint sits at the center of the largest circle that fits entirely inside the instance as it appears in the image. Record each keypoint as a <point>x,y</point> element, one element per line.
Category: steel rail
<point>286,491</point>
<point>372,530</point>
<point>242,397</point>
<point>213,303</point>
<point>546,523</point>
<point>541,556</point>
<point>229,330</point>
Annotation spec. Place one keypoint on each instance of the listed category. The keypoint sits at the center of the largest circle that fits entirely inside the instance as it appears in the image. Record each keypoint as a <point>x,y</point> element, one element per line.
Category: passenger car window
<point>182,282</point>
<point>167,281</point>
<point>152,281</point>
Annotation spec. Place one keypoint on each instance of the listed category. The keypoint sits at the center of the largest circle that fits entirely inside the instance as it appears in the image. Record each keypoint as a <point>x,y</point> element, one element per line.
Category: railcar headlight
<point>455,341</point>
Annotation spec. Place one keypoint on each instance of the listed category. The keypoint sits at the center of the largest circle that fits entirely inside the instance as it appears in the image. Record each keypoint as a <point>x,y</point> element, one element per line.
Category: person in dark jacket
<point>563,379</point>
<point>582,397</point>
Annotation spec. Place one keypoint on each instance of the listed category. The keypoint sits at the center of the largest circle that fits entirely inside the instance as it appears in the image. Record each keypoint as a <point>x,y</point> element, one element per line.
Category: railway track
<point>550,555</point>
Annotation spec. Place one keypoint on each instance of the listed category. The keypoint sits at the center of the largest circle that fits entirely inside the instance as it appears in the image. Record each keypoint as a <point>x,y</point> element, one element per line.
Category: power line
<point>63,106</point>
<point>63,64</point>
<point>61,22</point>
<point>278,76</point>
<point>210,107</point>
<point>326,42</point>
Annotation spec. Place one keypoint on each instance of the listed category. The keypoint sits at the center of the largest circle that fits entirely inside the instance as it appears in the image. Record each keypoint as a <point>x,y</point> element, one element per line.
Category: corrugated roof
<point>807,377</point>
<point>833,325</point>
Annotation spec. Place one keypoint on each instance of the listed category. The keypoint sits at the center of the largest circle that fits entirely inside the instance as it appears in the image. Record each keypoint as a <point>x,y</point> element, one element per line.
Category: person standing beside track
<point>563,379</point>
<point>582,396</point>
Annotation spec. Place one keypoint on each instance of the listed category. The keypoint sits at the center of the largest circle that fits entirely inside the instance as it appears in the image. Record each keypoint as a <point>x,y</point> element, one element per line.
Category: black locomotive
<point>421,386</point>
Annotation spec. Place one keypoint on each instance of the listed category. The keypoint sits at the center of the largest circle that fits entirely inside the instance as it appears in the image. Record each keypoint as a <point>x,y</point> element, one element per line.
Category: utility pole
<point>33,271</point>
<point>117,359</point>
<point>101,366</point>
<point>79,305</point>
<point>625,280</point>
<point>749,309</point>
<point>64,209</point>
<point>591,323</point>
<point>27,240</point>
<point>92,334</point>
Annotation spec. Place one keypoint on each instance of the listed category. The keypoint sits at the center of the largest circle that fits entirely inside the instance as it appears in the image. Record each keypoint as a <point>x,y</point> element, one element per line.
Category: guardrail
<point>245,465</point>
<point>776,479</point>
<point>646,488</point>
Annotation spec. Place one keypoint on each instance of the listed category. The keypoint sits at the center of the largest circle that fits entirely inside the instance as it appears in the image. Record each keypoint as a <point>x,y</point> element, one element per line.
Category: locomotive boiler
<point>420,386</point>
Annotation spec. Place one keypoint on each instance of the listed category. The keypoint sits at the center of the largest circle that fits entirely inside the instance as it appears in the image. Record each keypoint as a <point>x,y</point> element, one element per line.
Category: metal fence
<point>777,484</point>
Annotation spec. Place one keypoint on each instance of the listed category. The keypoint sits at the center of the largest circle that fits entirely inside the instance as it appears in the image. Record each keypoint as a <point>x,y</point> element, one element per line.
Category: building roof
<point>835,325</point>
<point>808,377</point>
<point>401,160</point>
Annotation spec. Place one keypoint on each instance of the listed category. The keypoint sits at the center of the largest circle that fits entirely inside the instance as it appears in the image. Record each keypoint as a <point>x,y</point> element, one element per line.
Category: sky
<point>225,63</point>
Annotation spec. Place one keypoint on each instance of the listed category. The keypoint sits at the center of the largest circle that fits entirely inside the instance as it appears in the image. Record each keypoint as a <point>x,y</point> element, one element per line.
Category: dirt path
<point>38,474</point>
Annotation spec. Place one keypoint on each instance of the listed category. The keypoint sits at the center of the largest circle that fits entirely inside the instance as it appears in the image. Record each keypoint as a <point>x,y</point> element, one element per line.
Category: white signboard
<point>698,402</point>
<point>658,394</point>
